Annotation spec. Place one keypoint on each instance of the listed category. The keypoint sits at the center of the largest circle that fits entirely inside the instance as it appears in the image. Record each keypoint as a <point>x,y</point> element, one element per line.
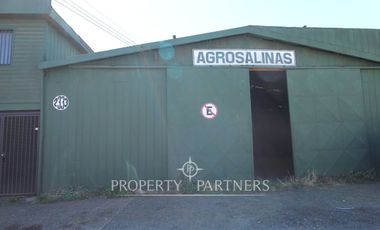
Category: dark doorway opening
<point>18,152</point>
<point>272,144</point>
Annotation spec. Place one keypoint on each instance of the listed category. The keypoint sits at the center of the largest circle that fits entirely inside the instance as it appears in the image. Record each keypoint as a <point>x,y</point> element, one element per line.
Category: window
<point>5,47</point>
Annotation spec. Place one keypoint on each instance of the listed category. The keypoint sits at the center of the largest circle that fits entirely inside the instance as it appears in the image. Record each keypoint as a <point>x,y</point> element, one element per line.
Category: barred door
<point>18,152</point>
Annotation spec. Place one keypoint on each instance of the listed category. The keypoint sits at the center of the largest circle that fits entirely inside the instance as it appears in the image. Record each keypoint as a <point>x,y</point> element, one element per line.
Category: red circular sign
<point>209,111</point>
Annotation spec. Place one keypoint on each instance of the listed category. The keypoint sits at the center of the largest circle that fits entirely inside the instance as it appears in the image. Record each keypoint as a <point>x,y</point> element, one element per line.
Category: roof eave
<point>141,48</point>
<point>58,22</point>
<point>261,32</point>
<point>257,31</point>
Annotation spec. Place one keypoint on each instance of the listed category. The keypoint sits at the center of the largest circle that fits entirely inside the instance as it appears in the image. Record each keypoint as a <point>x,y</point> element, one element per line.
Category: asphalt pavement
<point>332,207</point>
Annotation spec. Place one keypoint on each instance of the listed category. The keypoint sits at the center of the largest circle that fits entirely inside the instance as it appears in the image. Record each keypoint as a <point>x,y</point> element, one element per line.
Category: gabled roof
<point>360,43</point>
<point>57,21</point>
<point>42,9</point>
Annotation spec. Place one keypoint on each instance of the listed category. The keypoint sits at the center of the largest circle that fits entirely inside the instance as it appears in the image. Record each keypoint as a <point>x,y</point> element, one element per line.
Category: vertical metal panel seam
<point>39,181</point>
<point>2,127</point>
<point>368,110</point>
<point>377,107</point>
<point>165,119</point>
<point>167,123</point>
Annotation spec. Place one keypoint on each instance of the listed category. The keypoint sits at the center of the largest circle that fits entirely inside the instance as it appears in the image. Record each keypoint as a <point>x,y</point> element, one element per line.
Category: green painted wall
<point>57,46</point>
<point>343,39</point>
<point>150,118</point>
<point>222,146</point>
<point>114,127</point>
<point>20,82</point>
<point>115,102</point>
<point>371,91</point>
<point>34,41</point>
<point>182,55</point>
<point>328,121</point>
<point>320,91</point>
<point>24,6</point>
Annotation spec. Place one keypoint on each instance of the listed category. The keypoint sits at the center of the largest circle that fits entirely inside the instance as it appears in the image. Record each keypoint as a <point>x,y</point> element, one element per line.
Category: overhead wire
<point>102,21</point>
<point>111,22</point>
<point>83,13</point>
<point>95,21</point>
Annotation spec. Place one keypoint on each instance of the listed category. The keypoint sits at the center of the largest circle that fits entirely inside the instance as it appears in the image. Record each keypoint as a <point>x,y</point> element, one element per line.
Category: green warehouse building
<point>250,102</point>
<point>30,33</point>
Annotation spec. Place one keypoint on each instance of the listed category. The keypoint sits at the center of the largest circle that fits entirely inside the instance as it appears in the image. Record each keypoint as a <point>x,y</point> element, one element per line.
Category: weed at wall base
<point>312,178</point>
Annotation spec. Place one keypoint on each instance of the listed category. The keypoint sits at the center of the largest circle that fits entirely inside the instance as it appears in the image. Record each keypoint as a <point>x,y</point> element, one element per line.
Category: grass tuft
<point>312,178</point>
<point>65,194</point>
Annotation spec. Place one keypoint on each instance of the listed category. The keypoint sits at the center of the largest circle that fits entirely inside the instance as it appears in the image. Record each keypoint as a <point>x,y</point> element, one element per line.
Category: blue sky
<point>147,20</point>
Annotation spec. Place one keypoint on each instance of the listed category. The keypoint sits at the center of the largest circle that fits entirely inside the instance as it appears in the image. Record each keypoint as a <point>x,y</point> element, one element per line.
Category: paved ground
<point>338,207</point>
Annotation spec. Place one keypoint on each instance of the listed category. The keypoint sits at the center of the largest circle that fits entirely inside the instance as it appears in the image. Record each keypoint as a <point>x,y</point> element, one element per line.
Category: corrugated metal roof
<point>361,43</point>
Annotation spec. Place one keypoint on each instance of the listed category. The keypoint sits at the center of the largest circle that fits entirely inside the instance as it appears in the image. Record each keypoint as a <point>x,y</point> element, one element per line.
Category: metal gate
<point>18,152</point>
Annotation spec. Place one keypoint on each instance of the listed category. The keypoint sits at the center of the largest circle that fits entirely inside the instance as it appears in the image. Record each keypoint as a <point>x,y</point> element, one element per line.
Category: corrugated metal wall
<point>328,121</point>
<point>360,40</point>
<point>222,146</point>
<point>20,81</point>
<point>33,41</point>
<point>25,7</point>
<point>371,92</point>
<point>114,127</point>
<point>183,54</point>
<point>57,46</point>
<point>119,115</point>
